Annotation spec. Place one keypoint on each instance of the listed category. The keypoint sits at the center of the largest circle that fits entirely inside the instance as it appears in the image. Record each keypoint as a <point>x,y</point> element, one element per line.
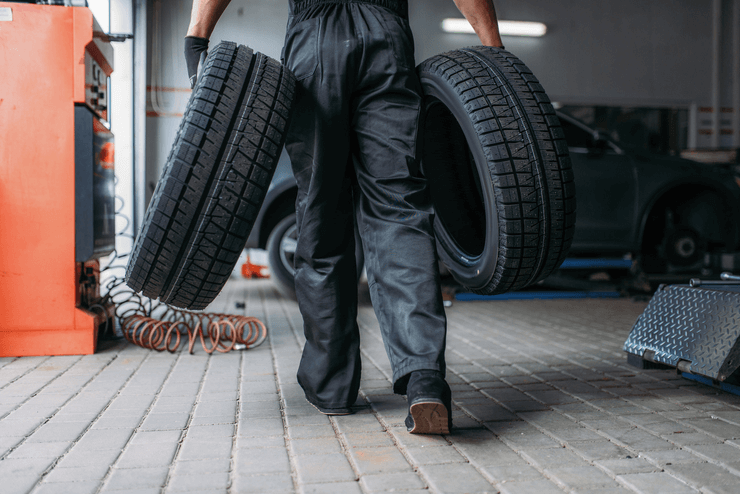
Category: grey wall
<point>605,52</point>
<point>259,24</point>
<point>628,52</point>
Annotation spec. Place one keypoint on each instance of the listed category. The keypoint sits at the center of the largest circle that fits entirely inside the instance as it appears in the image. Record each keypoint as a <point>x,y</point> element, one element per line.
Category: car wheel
<point>215,178</point>
<point>683,247</point>
<point>499,173</point>
<point>683,227</point>
<point>281,247</point>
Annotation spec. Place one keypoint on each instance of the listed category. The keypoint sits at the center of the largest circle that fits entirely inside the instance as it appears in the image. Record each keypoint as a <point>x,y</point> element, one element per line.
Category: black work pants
<point>352,143</point>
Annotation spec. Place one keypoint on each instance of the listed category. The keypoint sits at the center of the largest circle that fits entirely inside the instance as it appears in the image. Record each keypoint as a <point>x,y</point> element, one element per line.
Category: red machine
<point>57,209</point>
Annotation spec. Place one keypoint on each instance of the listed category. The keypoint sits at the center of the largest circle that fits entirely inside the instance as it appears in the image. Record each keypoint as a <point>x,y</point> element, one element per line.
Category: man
<point>353,146</point>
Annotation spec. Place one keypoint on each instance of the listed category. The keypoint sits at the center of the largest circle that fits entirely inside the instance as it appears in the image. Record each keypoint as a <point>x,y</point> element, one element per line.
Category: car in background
<point>672,215</point>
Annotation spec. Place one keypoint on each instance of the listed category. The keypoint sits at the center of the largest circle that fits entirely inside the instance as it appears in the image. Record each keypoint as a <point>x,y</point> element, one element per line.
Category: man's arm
<point>482,16</point>
<point>203,19</point>
<point>204,16</point>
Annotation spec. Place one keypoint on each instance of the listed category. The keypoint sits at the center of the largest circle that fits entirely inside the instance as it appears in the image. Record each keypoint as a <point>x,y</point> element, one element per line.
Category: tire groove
<point>169,285</point>
<point>267,70</point>
<point>134,271</point>
<point>525,163</point>
<point>545,222</point>
<point>203,210</point>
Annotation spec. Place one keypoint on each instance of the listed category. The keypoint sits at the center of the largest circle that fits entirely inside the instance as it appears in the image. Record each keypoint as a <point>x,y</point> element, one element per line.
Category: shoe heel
<point>430,418</point>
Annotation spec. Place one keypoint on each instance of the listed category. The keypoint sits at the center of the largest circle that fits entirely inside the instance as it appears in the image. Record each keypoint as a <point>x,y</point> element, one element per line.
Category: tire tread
<point>215,178</point>
<point>527,158</point>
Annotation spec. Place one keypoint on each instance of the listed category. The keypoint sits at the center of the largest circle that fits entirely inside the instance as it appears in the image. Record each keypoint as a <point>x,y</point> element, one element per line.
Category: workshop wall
<point>596,52</point>
<point>122,122</point>
<point>257,23</point>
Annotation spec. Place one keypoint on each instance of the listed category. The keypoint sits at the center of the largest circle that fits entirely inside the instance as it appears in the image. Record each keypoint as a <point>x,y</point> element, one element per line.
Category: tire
<point>281,246</point>
<point>683,227</point>
<point>215,178</point>
<point>683,247</point>
<point>499,173</point>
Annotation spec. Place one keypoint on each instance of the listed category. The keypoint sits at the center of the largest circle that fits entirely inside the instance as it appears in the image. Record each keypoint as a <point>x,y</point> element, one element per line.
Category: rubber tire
<point>283,277</point>
<point>499,173</point>
<point>672,250</point>
<point>215,178</point>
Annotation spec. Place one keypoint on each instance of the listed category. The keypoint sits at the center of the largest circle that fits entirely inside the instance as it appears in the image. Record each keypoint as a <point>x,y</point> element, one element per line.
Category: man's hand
<point>196,50</point>
<point>482,16</point>
<point>203,19</point>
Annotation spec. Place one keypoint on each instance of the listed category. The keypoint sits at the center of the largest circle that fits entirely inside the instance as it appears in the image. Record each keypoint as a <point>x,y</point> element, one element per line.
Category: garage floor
<point>544,403</point>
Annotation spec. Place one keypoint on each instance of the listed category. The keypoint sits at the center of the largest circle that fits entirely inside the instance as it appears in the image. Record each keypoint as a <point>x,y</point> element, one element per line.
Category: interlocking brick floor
<point>543,402</point>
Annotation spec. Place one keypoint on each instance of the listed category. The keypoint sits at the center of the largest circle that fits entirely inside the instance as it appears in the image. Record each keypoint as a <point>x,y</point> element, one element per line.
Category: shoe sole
<point>429,418</point>
<point>343,411</point>
<point>332,413</point>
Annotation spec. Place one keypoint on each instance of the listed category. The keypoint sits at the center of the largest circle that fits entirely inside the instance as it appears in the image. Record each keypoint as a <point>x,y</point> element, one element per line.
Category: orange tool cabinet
<point>57,209</point>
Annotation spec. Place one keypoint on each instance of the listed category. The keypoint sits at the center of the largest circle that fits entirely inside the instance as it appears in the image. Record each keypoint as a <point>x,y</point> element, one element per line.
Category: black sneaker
<point>430,403</point>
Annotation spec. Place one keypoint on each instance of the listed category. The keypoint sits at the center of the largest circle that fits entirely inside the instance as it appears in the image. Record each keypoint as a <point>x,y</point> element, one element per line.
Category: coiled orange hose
<point>136,313</point>
<point>217,332</point>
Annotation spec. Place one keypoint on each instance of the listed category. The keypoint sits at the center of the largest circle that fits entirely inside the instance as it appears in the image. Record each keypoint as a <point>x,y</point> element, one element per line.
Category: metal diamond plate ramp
<point>701,325</point>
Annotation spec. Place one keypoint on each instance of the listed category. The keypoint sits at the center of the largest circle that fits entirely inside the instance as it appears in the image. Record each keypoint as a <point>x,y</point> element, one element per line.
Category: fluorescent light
<point>506,28</point>
<point>520,28</point>
<point>458,26</point>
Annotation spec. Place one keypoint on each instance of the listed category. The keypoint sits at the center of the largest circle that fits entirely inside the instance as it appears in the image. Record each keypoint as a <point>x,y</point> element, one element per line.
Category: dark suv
<point>669,213</point>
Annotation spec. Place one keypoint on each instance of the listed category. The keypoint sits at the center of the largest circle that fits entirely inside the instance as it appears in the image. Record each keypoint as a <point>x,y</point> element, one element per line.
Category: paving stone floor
<point>543,402</point>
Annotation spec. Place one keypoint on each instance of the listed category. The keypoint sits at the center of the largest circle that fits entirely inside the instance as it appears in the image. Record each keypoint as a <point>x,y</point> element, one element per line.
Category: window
<point>655,130</point>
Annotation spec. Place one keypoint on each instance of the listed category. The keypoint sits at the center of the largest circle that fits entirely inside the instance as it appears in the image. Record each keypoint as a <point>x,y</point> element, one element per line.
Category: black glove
<point>196,50</point>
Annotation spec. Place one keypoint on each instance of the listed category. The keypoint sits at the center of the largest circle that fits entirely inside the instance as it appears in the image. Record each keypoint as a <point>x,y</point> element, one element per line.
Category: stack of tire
<point>493,152</point>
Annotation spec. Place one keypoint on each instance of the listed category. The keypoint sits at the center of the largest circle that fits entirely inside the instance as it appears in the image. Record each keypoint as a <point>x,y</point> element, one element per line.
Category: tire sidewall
<point>472,272</point>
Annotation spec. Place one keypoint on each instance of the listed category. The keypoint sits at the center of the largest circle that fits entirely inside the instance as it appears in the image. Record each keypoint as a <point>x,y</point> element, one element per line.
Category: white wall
<point>121,112</point>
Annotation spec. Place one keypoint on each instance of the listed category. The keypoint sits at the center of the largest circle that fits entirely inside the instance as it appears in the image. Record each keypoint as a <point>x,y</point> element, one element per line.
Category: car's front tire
<point>684,226</point>
<point>281,247</point>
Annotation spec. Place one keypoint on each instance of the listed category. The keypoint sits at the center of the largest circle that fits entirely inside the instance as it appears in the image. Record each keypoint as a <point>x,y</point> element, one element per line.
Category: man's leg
<point>326,279</point>
<point>395,214</point>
